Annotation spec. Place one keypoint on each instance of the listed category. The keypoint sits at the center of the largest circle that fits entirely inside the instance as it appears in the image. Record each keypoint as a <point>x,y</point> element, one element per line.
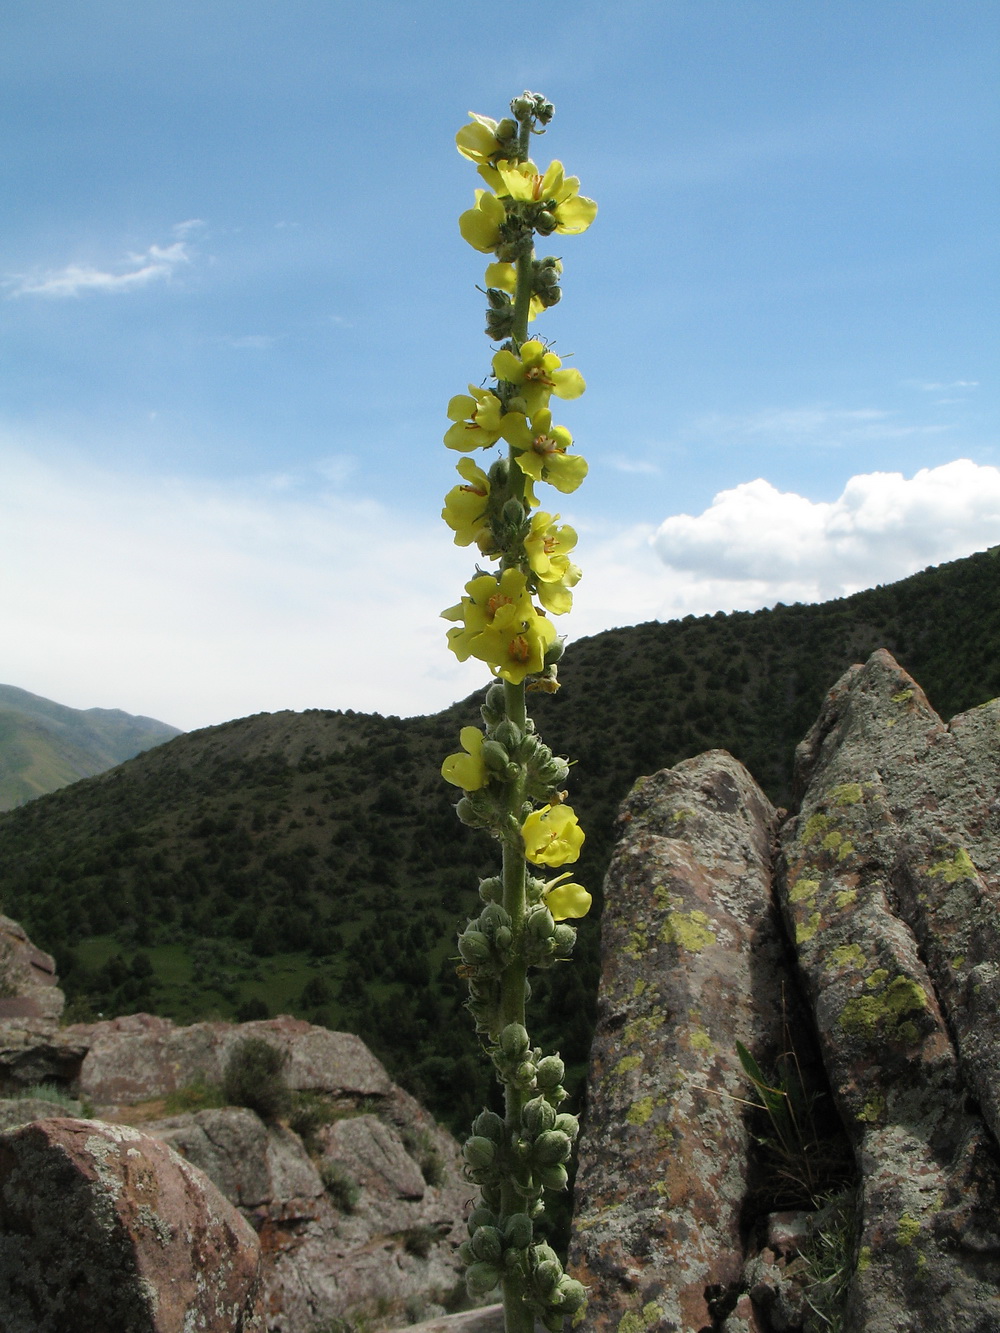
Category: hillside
<point>45,745</point>
<point>311,862</point>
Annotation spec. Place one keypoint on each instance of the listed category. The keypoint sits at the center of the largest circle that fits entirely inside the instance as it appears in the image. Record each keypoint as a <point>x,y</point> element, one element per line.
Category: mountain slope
<point>45,745</point>
<point>312,862</point>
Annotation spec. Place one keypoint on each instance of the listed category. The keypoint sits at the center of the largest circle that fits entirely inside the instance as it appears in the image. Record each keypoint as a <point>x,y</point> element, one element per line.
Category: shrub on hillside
<point>255,1078</point>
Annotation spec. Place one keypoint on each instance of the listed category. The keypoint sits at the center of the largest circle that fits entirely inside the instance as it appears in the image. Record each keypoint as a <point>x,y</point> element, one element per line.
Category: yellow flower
<point>478,420</point>
<point>467,770</point>
<point>537,374</point>
<point>552,836</point>
<point>566,900</point>
<point>541,450</point>
<point>547,547</point>
<point>480,226</point>
<point>558,193</point>
<point>500,626</point>
<point>465,506</point>
<point>478,141</point>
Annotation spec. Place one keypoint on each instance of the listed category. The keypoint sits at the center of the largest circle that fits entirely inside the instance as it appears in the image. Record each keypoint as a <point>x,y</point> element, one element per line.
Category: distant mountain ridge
<point>45,745</point>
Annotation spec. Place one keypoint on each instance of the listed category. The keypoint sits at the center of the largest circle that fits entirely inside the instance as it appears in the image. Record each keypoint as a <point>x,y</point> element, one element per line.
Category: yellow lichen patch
<point>891,721</point>
<point>628,1062</point>
<point>848,793</point>
<point>664,1136</point>
<point>803,890</point>
<point>638,988</point>
<point>907,1229</point>
<point>805,930</point>
<point>958,867</point>
<point>864,1258</point>
<point>846,847</point>
<point>878,978</point>
<point>634,1322</point>
<point>873,1110</point>
<point>701,1041</point>
<point>679,816</point>
<point>638,942</point>
<point>958,962</point>
<point>846,897</point>
<point>865,1014</point>
<point>690,930</point>
<point>832,841</point>
<point>816,826</point>
<point>902,697</point>
<point>646,1025</point>
<point>640,1111</point>
<point>845,955</point>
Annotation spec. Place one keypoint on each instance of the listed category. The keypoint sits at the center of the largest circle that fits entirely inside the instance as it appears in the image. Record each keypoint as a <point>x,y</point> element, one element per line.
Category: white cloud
<point>196,602</point>
<point>776,545</point>
<point>136,270</point>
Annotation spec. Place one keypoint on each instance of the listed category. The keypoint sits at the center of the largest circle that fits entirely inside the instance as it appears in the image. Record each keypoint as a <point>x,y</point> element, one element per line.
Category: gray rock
<point>889,887</point>
<point>142,1057</point>
<point>28,983</point>
<point>105,1229</point>
<point>691,963</point>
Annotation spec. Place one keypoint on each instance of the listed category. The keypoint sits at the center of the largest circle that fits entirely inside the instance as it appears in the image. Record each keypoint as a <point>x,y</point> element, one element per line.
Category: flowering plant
<point>512,783</point>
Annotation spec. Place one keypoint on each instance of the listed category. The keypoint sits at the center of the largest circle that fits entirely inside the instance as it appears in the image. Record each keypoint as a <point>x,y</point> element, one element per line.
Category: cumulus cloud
<point>777,545</point>
<point>135,271</point>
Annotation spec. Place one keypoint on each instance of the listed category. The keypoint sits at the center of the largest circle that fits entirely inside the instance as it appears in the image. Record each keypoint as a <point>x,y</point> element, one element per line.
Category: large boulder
<point>105,1229</point>
<point>691,964</point>
<point>142,1057</point>
<point>28,985</point>
<point>890,888</point>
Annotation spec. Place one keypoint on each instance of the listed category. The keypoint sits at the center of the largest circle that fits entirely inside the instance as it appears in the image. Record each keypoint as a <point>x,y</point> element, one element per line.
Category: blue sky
<point>235,304</point>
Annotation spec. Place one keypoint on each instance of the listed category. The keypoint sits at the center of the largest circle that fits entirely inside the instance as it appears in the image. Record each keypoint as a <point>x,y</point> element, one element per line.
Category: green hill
<point>45,745</point>
<point>311,863</point>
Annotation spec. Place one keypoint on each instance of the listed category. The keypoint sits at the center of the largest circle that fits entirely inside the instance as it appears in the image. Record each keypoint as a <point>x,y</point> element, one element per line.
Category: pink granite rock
<point>28,983</point>
<point>105,1229</point>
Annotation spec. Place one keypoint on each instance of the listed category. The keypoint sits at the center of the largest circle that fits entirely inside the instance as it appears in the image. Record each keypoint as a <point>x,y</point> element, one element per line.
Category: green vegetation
<point>312,864</point>
<point>255,1078</point>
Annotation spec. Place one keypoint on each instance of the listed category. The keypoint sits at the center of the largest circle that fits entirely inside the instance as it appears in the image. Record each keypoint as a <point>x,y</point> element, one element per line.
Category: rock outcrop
<point>28,986</point>
<point>887,882</point>
<point>105,1229</point>
<point>358,1217</point>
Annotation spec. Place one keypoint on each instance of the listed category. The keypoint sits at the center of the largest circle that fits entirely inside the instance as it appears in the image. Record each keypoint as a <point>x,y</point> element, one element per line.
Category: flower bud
<point>537,1116</point>
<point>481,1217</point>
<point>488,1125</point>
<point>550,1072</point>
<point>471,814</point>
<point>503,940</point>
<point>495,757</point>
<point>491,890</point>
<point>474,947</point>
<point>487,1245</point>
<point>565,938</point>
<point>466,1253</point>
<point>569,1124</point>
<point>553,1177</point>
<point>524,1075</point>
<point>546,223</point>
<point>572,1295</point>
<point>539,924</point>
<point>545,1278</point>
<point>508,734</point>
<point>481,1278</point>
<point>552,1148</point>
<point>554,651</point>
<point>479,1153</point>
<point>514,1041</point>
<point>517,1231</point>
<point>491,918</point>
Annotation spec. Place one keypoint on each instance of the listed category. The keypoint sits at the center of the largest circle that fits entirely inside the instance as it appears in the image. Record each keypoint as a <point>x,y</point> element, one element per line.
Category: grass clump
<point>424,1151</point>
<point>198,1095</point>
<point>340,1184</point>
